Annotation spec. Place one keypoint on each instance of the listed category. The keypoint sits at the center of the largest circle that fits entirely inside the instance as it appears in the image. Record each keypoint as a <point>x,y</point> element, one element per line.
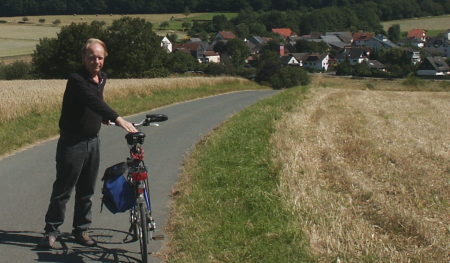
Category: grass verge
<point>227,207</point>
<point>36,126</point>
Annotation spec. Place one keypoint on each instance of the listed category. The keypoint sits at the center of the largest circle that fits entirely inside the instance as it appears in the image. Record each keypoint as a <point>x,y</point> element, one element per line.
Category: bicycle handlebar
<point>149,120</point>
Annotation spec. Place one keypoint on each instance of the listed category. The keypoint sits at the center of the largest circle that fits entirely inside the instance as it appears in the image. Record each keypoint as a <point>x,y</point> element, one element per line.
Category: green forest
<point>384,9</point>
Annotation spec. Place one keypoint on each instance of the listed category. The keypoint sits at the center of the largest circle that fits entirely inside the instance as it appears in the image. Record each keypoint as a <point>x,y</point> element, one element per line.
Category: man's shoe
<point>48,241</point>
<point>84,239</point>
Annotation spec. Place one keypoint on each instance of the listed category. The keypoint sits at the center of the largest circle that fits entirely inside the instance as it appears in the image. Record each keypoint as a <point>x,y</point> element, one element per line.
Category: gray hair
<point>91,41</point>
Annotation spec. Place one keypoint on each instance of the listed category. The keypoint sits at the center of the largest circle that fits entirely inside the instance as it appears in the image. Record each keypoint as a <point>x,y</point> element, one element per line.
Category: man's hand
<point>128,126</point>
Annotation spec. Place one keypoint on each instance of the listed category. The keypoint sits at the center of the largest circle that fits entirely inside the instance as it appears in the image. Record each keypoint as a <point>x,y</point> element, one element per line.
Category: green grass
<point>176,24</point>
<point>35,127</point>
<point>228,208</point>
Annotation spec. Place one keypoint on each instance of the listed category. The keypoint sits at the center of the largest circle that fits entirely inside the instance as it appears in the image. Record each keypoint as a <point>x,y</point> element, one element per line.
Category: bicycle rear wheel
<point>143,231</point>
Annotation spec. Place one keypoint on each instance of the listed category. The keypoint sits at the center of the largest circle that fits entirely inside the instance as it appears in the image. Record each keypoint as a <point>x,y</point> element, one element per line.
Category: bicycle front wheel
<point>143,231</point>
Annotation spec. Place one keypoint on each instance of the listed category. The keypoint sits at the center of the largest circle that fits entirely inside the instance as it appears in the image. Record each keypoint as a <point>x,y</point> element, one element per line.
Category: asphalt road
<point>27,177</point>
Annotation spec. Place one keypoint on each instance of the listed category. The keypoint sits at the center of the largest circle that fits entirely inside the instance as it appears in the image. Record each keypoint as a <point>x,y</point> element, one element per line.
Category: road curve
<point>27,177</point>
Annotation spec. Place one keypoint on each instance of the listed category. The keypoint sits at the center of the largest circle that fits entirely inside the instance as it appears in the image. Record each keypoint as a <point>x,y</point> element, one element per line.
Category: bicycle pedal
<point>158,237</point>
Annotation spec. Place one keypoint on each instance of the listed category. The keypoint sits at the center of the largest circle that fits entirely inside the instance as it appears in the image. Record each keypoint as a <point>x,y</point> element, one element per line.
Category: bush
<point>56,22</point>
<point>25,19</point>
<point>16,70</point>
<point>42,20</point>
<point>289,76</point>
<point>412,80</point>
<point>216,69</point>
<point>156,73</point>
<point>3,21</point>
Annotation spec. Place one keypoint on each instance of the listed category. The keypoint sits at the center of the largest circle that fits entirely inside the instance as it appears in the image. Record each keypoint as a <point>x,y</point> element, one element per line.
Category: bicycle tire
<point>143,232</point>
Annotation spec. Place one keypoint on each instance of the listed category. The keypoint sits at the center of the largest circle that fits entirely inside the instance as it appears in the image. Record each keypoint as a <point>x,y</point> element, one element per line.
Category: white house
<point>211,56</point>
<point>289,60</point>
<point>316,61</point>
<point>166,44</point>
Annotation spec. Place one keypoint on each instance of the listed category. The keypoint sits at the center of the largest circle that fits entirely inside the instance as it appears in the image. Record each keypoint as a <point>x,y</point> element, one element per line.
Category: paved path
<point>27,176</point>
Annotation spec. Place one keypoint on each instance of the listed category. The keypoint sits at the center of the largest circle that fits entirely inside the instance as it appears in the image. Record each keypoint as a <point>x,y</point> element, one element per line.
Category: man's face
<point>94,58</point>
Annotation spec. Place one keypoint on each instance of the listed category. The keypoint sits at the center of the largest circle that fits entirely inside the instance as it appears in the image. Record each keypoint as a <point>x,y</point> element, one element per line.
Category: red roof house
<point>417,34</point>
<point>225,35</point>
<point>284,32</point>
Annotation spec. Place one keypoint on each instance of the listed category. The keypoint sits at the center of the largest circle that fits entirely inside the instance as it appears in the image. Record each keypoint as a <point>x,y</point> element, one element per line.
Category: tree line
<point>384,9</point>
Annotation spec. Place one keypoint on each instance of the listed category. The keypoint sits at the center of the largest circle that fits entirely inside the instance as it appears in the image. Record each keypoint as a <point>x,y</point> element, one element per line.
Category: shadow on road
<point>68,250</point>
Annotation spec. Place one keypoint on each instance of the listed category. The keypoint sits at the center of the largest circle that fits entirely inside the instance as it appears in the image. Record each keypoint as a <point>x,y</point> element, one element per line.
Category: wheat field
<point>367,173</point>
<point>21,97</point>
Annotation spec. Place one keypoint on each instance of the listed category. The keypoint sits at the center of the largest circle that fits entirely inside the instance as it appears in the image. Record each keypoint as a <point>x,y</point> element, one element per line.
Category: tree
<point>269,63</point>
<point>186,25</point>
<point>309,46</point>
<point>289,76</point>
<point>237,51</point>
<point>180,62</point>
<point>220,22</point>
<point>344,69</point>
<point>394,32</point>
<point>58,57</point>
<point>164,24</point>
<point>134,48</point>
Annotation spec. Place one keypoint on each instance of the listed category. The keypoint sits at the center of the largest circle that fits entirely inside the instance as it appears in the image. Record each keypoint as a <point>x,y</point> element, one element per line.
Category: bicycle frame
<point>142,224</point>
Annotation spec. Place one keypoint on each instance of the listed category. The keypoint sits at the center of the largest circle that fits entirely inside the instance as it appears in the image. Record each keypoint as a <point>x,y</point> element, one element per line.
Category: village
<point>429,55</point>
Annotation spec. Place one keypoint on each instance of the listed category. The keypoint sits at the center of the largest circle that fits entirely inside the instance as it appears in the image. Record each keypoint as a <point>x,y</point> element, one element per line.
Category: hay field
<point>21,97</point>
<point>367,174</point>
<point>432,23</point>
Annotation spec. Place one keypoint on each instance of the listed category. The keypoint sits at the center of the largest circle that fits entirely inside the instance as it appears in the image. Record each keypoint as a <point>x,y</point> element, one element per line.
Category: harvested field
<point>367,174</point>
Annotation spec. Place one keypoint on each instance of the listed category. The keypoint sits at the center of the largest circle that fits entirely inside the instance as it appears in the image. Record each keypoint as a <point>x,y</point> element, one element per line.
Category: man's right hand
<point>128,126</point>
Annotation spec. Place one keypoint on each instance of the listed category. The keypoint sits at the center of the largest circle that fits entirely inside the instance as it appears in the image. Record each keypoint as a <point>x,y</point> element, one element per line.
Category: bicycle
<point>142,225</point>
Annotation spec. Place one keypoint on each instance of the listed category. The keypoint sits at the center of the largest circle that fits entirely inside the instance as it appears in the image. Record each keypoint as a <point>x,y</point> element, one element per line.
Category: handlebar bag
<point>118,193</point>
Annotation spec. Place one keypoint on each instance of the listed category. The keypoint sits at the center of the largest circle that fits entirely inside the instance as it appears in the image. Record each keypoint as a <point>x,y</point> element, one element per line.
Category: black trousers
<point>77,161</point>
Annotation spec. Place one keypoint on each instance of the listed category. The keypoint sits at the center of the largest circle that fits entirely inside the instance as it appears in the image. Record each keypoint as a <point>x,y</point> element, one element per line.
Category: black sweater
<point>83,108</point>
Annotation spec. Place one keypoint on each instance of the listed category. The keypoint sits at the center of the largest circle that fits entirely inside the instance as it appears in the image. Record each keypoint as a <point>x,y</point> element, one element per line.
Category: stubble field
<point>367,172</point>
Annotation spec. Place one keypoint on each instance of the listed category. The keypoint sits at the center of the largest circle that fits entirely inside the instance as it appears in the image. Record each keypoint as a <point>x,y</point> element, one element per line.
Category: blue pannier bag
<point>118,193</point>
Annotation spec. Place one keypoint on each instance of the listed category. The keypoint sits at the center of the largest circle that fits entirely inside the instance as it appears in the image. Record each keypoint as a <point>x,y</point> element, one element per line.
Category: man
<point>77,153</point>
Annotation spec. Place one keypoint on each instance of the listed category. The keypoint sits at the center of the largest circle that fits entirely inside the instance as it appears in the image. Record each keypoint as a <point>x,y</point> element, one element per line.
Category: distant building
<point>166,44</point>
<point>433,66</point>
<point>225,35</point>
<point>284,32</point>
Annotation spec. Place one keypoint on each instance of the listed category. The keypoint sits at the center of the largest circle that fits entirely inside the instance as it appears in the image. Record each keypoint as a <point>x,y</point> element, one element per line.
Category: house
<point>316,61</point>
<point>284,32</point>
<point>166,44</point>
<point>419,34</point>
<point>211,56</point>
<point>440,44</point>
<point>411,42</point>
<point>354,55</point>
<point>414,55</point>
<point>345,37</point>
<point>300,57</point>
<point>289,60</point>
<point>196,49</point>
<point>433,66</point>
<point>375,65</point>
<point>377,43</point>
<point>361,38</point>
<point>255,43</point>
<point>225,35</point>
